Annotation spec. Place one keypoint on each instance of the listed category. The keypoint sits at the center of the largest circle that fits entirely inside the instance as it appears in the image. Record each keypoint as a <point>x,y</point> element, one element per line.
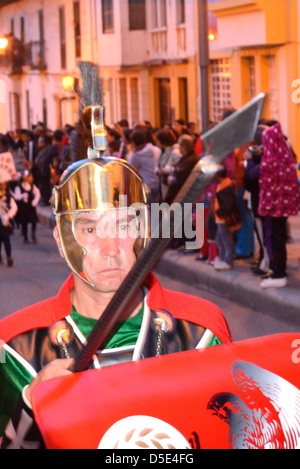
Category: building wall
<point>266,35</point>
<point>44,87</point>
<point>149,55</point>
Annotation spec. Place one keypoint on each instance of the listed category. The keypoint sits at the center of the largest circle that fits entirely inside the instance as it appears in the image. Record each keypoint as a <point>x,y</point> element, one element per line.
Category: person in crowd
<point>8,210</point>
<point>125,147</point>
<point>121,124</point>
<point>114,148</point>
<point>207,253</point>
<point>44,161</point>
<point>228,219</point>
<point>191,128</point>
<point>279,198</point>
<point>169,157</point>
<point>112,136</point>
<point>65,154</point>
<point>183,167</point>
<point>38,131</point>
<point>16,140</point>
<point>176,180</point>
<point>28,196</point>
<point>252,157</point>
<point>99,265</point>
<point>4,143</point>
<point>151,139</point>
<point>244,247</point>
<point>143,159</point>
<point>42,144</point>
<point>180,128</point>
<point>29,149</point>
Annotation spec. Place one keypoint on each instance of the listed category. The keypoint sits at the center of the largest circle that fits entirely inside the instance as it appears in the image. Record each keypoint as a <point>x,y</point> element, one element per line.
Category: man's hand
<point>56,368</point>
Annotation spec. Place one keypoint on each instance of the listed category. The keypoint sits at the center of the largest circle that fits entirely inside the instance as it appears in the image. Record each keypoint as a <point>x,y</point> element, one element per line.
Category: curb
<point>238,285</point>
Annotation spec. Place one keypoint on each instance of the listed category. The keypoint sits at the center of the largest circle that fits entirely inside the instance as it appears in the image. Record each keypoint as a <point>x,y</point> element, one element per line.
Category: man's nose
<point>109,246</point>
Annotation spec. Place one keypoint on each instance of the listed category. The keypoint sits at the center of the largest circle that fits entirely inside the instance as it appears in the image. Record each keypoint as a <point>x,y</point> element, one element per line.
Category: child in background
<point>8,210</point>
<point>27,196</point>
<point>228,219</point>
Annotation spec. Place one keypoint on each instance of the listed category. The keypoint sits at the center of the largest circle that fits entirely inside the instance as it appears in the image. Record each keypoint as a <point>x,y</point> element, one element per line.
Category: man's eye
<point>89,230</point>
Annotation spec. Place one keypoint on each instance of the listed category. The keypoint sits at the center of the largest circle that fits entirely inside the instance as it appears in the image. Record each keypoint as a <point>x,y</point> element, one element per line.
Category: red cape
<point>181,306</point>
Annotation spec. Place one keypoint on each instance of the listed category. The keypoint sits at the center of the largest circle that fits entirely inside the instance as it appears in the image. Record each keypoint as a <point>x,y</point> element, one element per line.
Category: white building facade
<point>145,50</point>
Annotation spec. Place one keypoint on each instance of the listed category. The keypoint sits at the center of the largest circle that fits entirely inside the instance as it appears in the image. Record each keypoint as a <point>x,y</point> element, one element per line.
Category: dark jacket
<point>228,207</point>
<point>182,171</point>
<point>251,183</point>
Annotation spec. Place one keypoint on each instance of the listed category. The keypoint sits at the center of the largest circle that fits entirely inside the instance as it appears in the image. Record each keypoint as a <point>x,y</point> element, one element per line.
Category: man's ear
<point>57,239</point>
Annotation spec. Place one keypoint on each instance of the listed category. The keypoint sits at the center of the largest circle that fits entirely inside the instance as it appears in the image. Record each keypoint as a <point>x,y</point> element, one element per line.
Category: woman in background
<point>8,210</point>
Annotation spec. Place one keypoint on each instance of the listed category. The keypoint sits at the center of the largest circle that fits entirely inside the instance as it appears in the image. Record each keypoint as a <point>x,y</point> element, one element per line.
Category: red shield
<point>241,395</point>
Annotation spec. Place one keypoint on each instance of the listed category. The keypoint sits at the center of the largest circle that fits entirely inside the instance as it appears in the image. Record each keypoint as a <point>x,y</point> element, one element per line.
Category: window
<point>159,13</point>
<point>22,28</point>
<point>248,82</point>
<point>15,112</point>
<point>123,98</point>
<point>134,94</point>
<point>111,99</point>
<point>164,101</point>
<point>183,98</point>
<point>76,13</point>
<point>251,74</point>
<point>12,25</point>
<point>180,11</point>
<point>137,14</point>
<point>220,87</point>
<point>108,16</point>
<point>45,113</point>
<point>41,25</point>
<point>28,109</point>
<point>62,37</point>
<point>41,49</point>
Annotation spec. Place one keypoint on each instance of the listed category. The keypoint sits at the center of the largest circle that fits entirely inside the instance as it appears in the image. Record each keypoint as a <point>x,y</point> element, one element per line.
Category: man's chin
<point>108,283</point>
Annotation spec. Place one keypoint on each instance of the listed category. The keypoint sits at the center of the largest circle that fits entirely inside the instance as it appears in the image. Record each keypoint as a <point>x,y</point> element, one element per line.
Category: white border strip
<point>82,339</point>
<point>20,359</point>
<point>205,339</point>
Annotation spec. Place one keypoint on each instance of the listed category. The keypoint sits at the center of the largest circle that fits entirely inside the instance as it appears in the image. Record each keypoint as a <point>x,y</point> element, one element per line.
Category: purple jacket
<point>279,194</point>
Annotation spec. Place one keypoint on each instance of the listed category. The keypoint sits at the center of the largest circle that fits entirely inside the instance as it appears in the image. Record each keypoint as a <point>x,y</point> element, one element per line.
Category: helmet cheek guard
<point>97,185</point>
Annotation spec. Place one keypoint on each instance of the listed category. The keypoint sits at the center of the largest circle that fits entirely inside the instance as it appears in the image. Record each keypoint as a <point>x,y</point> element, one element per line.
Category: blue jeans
<point>225,243</point>
<point>245,235</point>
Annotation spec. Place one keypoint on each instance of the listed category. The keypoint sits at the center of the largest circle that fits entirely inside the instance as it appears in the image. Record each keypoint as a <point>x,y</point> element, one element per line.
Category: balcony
<point>18,55</point>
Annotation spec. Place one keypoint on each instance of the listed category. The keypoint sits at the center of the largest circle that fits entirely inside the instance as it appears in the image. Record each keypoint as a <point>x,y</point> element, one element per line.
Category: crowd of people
<point>241,204</point>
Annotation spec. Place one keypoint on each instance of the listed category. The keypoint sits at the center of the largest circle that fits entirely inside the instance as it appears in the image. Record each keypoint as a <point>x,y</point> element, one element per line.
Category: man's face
<point>108,239</point>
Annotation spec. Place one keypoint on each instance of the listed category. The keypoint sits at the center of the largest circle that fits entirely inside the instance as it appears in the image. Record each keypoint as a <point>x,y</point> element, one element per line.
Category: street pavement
<point>238,285</point>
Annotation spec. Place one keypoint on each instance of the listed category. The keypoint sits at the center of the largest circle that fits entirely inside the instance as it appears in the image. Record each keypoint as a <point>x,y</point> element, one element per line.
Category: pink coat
<point>279,194</point>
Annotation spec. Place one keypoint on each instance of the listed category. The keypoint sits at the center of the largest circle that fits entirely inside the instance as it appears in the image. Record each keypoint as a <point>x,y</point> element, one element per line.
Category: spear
<point>218,142</point>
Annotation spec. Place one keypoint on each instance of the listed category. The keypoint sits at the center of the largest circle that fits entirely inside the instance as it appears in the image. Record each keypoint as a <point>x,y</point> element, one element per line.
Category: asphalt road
<point>39,271</point>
